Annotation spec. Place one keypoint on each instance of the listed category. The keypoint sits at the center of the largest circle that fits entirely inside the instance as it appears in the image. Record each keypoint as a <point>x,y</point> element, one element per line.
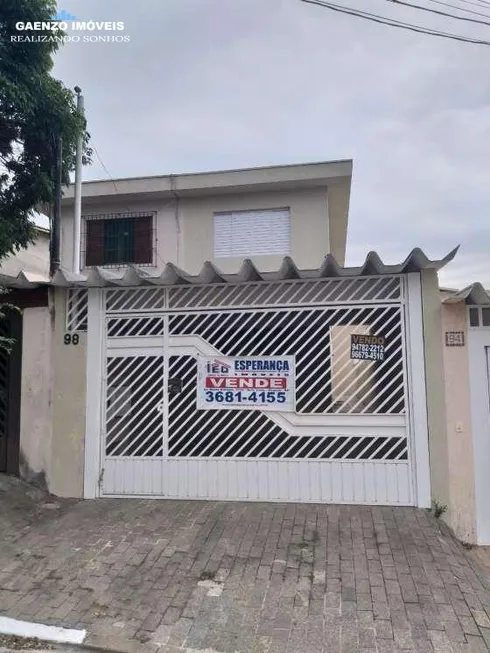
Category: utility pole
<point>77,216</point>
<point>56,226</point>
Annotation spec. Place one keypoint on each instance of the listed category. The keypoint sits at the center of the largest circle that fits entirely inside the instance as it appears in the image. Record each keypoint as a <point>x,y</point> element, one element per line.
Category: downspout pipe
<point>77,215</point>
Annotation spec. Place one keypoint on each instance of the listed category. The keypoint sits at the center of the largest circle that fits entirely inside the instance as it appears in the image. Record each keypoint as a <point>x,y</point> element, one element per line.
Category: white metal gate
<point>350,439</point>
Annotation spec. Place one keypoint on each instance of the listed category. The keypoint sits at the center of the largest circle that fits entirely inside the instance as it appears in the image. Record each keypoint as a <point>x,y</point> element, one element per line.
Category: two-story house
<point>214,345</point>
<point>223,217</point>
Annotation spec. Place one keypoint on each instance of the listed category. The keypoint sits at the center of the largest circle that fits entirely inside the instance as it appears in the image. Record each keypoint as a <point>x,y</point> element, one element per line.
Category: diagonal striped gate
<point>349,439</point>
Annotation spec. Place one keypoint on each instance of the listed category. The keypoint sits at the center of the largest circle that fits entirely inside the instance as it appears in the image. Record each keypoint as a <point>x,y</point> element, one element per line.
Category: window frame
<point>233,212</point>
<point>92,217</point>
<point>478,309</point>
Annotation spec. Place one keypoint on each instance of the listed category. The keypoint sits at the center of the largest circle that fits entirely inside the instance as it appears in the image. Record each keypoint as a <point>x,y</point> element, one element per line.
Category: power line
<point>485,3</point>
<point>128,209</point>
<point>438,12</point>
<point>102,164</point>
<point>468,11</point>
<point>383,20</point>
<point>108,173</point>
<point>475,3</point>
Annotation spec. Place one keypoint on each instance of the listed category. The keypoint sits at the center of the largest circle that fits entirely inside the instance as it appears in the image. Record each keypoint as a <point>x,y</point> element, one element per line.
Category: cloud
<point>210,84</point>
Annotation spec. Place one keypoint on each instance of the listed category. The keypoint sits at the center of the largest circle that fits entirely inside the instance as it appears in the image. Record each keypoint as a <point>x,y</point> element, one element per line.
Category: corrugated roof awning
<point>24,280</point>
<point>170,274</point>
<point>474,294</point>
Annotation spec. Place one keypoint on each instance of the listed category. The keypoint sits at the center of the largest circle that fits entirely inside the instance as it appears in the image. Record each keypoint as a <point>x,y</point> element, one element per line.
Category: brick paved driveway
<point>243,577</point>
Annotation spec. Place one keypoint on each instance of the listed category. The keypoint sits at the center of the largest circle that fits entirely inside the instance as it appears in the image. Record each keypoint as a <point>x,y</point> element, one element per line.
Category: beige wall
<point>52,429</point>
<point>436,405</point>
<point>35,258</point>
<point>68,408</point>
<point>35,412</point>
<point>184,229</point>
<point>461,514</point>
<point>309,227</point>
<point>338,209</point>
<point>167,245</point>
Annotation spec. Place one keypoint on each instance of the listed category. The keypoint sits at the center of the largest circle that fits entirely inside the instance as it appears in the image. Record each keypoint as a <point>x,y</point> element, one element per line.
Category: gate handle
<point>174,386</point>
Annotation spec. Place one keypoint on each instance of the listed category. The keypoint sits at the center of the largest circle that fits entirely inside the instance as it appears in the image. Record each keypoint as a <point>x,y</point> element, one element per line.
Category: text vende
<point>245,382</point>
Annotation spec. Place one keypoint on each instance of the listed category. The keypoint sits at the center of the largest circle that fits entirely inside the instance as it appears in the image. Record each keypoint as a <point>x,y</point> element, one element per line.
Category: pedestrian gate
<point>350,438</point>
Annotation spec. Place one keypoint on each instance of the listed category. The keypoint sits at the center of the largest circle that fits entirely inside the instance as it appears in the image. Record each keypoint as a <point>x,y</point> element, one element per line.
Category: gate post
<point>93,435</point>
<point>417,392</point>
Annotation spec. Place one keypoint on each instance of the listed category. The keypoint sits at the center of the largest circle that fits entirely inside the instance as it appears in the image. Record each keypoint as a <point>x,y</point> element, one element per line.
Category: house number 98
<point>71,339</point>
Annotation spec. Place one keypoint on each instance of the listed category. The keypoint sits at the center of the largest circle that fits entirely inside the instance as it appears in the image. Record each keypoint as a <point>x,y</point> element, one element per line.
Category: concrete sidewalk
<point>196,576</point>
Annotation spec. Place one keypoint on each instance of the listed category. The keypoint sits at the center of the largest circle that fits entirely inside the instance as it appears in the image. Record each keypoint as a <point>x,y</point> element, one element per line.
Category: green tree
<point>35,109</point>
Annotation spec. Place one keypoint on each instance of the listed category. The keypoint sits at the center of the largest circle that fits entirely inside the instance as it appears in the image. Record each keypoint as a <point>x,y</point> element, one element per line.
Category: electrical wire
<point>103,166</point>
<point>468,11</point>
<point>108,174</point>
<point>438,12</point>
<point>383,20</point>
<point>485,3</point>
<point>128,209</point>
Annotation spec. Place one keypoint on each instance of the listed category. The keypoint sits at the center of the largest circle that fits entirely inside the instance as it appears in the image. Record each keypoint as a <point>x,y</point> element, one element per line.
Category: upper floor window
<point>479,316</point>
<point>252,233</point>
<point>119,239</point>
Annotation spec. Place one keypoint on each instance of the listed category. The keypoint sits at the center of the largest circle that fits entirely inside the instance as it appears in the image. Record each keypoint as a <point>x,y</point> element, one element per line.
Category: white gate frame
<point>95,348</point>
<point>417,399</point>
<point>416,396</point>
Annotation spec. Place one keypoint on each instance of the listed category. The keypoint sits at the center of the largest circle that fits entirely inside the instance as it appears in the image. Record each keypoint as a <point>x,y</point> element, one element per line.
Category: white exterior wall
<point>479,368</point>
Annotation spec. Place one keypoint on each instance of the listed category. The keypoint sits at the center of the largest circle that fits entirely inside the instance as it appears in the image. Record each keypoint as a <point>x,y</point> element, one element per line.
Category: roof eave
<point>475,295</point>
<point>225,181</point>
<point>171,275</point>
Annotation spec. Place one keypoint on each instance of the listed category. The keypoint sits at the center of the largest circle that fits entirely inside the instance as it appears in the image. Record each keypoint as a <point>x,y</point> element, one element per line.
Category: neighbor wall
<point>434,373</point>
<point>35,409</point>
<point>461,514</point>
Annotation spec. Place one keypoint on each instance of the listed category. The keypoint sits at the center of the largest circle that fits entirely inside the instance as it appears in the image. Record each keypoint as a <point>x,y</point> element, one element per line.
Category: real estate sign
<point>367,348</point>
<point>260,382</point>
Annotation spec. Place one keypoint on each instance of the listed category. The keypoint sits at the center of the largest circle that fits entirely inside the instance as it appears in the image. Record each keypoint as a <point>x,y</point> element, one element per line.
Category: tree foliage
<point>6,343</point>
<point>35,109</point>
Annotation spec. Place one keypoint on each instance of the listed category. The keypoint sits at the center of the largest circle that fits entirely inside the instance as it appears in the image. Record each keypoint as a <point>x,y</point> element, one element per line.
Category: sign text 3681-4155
<point>246,382</point>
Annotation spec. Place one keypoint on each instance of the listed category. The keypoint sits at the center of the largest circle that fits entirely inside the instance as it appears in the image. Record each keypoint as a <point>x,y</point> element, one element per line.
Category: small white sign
<point>259,382</point>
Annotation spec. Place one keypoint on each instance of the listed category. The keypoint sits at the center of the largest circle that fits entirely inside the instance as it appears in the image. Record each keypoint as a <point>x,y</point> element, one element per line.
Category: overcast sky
<point>214,84</point>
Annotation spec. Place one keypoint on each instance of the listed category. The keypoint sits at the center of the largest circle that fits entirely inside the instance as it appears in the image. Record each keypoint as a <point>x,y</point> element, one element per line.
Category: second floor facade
<point>263,214</point>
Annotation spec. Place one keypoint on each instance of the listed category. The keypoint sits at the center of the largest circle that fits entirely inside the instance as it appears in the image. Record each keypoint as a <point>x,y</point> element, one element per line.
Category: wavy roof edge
<point>474,294</point>
<point>172,275</point>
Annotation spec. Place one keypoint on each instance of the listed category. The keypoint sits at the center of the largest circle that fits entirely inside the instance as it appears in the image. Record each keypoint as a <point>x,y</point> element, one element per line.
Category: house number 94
<point>71,339</point>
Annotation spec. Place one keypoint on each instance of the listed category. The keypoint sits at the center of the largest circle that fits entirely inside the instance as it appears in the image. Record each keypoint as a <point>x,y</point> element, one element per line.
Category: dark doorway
<point>10,386</point>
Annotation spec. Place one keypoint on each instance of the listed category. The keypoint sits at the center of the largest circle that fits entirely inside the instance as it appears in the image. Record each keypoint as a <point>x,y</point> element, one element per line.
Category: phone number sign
<point>367,348</point>
<point>263,382</point>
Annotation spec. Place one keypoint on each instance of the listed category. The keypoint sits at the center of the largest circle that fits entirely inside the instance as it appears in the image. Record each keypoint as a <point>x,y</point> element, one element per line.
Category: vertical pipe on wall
<point>54,246</point>
<point>77,218</point>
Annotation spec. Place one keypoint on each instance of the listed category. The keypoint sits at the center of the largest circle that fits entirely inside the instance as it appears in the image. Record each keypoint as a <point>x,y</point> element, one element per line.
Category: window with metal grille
<point>252,233</point>
<point>119,239</point>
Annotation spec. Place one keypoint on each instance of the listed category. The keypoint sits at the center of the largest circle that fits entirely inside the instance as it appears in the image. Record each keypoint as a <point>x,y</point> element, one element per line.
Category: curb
<point>38,631</point>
